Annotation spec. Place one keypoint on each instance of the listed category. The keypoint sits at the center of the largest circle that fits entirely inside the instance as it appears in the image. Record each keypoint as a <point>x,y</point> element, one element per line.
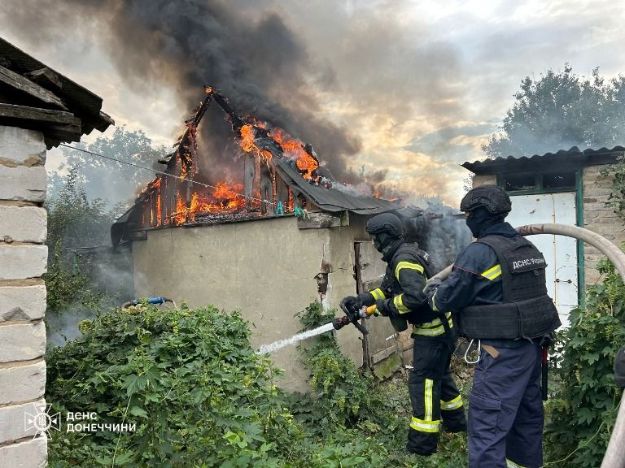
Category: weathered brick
<point>23,223</point>
<point>22,147</point>
<point>16,422</point>
<point>22,261</point>
<point>23,183</point>
<point>484,179</point>
<point>32,453</point>
<point>22,341</point>
<point>22,383</point>
<point>22,302</point>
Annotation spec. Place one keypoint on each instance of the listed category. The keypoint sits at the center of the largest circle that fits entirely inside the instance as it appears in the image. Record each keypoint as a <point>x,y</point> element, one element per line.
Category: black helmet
<point>386,223</point>
<point>494,199</point>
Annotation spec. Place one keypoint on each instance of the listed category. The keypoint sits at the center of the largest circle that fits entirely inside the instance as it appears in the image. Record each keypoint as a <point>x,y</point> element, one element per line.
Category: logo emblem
<point>43,420</point>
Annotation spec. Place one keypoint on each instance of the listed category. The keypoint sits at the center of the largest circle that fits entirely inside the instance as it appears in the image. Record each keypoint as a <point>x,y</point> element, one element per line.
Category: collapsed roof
<point>281,175</point>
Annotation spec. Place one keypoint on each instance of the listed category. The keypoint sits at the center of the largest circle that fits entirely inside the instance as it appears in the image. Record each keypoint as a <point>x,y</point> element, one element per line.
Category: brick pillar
<point>599,218</point>
<point>23,256</point>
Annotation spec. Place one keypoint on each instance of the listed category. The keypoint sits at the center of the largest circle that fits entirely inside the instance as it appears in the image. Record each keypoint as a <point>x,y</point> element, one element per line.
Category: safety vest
<point>526,311</point>
<point>424,320</point>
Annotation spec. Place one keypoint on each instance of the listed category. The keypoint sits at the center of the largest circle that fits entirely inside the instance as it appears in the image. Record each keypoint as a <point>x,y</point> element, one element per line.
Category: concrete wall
<point>23,257</point>
<point>264,268</point>
<point>599,218</point>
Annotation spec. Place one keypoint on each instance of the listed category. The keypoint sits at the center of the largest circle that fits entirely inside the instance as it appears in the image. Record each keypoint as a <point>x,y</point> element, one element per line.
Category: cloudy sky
<point>413,88</point>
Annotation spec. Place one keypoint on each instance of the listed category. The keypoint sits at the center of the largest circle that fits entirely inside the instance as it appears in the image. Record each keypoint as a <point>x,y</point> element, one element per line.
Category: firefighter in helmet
<point>497,289</point>
<point>433,393</point>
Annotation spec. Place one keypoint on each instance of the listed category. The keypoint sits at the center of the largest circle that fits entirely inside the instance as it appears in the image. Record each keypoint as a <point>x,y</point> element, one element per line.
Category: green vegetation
<point>196,390</point>
<point>560,110</point>
<point>585,406</point>
<point>200,396</point>
<point>73,222</point>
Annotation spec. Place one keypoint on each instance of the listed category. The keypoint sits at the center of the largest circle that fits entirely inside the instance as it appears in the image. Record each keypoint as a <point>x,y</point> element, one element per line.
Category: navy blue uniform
<point>505,406</point>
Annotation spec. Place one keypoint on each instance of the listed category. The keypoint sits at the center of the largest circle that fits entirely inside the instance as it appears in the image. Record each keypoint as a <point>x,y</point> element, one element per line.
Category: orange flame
<point>180,216</point>
<point>247,138</point>
<point>224,199</point>
<point>294,148</point>
<point>158,209</point>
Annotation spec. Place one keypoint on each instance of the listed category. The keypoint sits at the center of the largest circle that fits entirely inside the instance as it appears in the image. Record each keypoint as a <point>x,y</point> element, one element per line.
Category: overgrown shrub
<point>357,420</point>
<point>342,394</point>
<point>198,393</point>
<point>585,406</point>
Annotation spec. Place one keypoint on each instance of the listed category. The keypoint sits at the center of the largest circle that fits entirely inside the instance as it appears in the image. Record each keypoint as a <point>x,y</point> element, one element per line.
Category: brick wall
<point>23,256</point>
<point>599,218</point>
<point>484,179</point>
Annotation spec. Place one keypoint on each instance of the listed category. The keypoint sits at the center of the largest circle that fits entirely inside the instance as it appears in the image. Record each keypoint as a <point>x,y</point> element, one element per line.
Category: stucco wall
<point>23,257</point>
<point>263,268</point>
<point>599,218</point>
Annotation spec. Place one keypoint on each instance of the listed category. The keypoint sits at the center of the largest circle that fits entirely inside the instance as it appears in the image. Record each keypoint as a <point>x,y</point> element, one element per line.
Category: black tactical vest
<point>527,311</point>
<point>390,285</point>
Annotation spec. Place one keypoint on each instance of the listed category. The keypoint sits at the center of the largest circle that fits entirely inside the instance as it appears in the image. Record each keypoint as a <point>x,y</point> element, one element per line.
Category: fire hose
<point>615,453</point>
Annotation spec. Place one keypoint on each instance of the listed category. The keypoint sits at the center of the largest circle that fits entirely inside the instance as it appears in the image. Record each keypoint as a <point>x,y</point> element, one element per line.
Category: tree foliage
<point>560,110</point>
<point>111,181</point>
<point>73,222</point>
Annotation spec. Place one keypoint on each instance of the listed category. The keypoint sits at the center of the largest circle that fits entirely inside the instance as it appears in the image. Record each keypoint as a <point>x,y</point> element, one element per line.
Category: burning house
<point>276,236</point>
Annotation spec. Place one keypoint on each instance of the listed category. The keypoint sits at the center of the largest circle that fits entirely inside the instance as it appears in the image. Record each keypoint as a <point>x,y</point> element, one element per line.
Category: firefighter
<point>498,293</point>
<point>400,297</point>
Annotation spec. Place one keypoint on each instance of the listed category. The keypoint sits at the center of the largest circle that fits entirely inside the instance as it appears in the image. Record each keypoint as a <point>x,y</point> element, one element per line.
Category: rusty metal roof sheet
<point>332,199</point>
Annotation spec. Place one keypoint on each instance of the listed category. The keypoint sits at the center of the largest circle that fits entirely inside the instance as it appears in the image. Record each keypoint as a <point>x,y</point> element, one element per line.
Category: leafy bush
<point>584,408</point>
<point>198,393</point>
<point>357,420</point>
<point>342,394</point>
<point>200,396</point>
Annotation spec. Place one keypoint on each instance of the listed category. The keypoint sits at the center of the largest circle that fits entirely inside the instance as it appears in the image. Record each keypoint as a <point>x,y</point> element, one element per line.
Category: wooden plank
<point>27,86</point>
<point>13,111</point>
<point>45,77</point>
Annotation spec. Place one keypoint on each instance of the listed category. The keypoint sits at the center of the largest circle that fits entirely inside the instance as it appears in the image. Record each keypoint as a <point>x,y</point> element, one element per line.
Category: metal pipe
<point>615,453</point>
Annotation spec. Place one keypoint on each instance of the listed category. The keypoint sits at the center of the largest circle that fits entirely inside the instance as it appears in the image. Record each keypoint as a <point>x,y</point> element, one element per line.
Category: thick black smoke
<point>255,60</point>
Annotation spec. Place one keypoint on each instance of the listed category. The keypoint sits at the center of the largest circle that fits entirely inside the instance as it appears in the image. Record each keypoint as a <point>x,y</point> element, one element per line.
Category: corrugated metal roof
<point>572,156</point>
<point>331,199</point>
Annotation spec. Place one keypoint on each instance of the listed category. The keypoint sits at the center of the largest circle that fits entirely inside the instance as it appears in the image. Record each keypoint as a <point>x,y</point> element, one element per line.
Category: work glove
<point>431,286</point>
<point>351,305</point>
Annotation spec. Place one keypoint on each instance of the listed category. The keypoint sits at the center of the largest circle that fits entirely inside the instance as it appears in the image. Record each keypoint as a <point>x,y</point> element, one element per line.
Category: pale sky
<point>420,84</point>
